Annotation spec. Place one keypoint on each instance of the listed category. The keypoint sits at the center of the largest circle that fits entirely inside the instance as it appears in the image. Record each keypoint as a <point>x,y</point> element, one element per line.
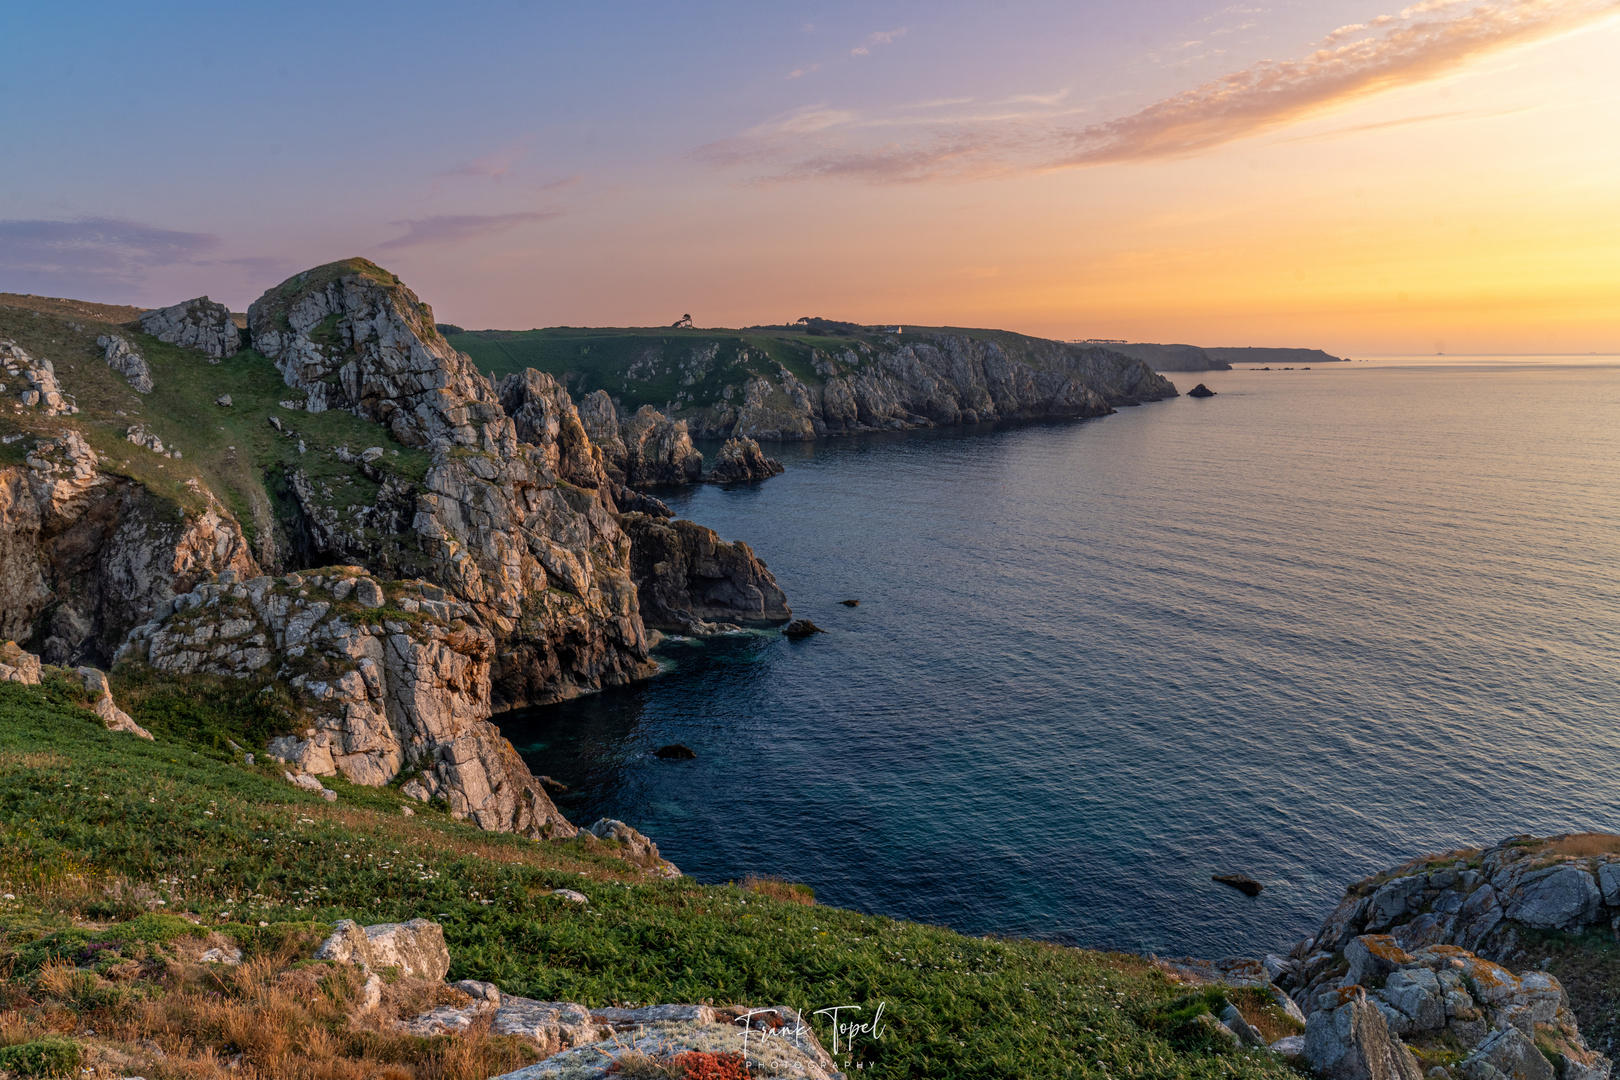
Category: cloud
<point>799,73</point>
<point>91,253</point>
<point>882,37</point>
<point>496,164</point>
<point>1424,41</point>
<point>458,228</point>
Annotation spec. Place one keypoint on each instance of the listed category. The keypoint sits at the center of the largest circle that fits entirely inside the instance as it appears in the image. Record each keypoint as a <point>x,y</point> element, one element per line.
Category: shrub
<point>42,1057</point>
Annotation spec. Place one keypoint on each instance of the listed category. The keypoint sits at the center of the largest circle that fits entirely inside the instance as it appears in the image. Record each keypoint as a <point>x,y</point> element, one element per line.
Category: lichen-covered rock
<point>416,948</point>
<point>689,1040</point>
<point>389,676</point>
<point>687,578</point>
<point>658,450</point>
<point>741,460</point>
<point>1507,1054</point>
<point>122,358</point>
<point>39,390</point>
<point>199,324</point>
<point>1346,1038</point>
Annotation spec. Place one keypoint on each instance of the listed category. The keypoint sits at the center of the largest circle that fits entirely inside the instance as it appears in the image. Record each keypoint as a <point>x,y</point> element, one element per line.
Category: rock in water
<point>742,460</point>
<point>1200,391</point>
<point>675,752</point>
<point>1245,885</point>
<point>850,603</point>
<point>199,324</point>
<point>688,578</point>
<point>801,628</point>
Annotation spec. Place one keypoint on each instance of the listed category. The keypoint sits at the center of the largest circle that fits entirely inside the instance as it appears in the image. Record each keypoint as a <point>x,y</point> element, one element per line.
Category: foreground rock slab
<point>415,948</point>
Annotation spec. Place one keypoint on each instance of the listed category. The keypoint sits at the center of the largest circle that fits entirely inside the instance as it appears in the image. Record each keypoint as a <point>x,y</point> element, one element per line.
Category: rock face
<point>1477,899</point>
<point>122,358</point>
<point>948,379</point>
<point>508,523</point>
<point>199,324</point>
<point>392,676</point>
<point>1442,997</point>
<point>1349,1040</point>
<point>687,578</point>
<point>85,556</point>
<point>642,449</point>
<point>18,665</point>
<point>416,948</point>
<point>33,382</point>
<point>1171,357</point>
<point>741,460</point>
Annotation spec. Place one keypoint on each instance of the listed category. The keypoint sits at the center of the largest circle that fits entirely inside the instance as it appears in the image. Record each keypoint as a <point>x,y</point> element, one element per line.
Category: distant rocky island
<point>1196,358</point>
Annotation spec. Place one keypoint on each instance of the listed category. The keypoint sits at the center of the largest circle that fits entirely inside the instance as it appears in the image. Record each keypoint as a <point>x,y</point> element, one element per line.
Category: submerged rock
<point>675,752</point>
<point>850,603</point>
<point>1245,885</point>
<point>801,628</point>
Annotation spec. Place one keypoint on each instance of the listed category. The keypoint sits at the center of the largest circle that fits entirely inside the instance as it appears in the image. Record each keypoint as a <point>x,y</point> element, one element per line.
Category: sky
<point>1341,174</point>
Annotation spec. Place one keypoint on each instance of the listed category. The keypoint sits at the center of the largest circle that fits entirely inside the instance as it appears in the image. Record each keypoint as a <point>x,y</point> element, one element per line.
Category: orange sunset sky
<point>1350,176</point>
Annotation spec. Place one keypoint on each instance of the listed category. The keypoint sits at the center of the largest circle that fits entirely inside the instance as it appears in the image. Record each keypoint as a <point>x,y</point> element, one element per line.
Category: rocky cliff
<point>794,383</point>
<point>692,582</point>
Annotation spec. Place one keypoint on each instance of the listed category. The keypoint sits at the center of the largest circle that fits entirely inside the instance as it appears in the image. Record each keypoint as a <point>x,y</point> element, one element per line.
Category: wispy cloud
<point>91,253</point>
<point>882,37</point>
<point>497,164</point>
<point>1422,42</point>
<point>458,228</point>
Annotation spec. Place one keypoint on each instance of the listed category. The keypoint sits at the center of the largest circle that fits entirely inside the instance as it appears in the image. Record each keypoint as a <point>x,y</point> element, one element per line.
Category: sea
<point>1325,621</point>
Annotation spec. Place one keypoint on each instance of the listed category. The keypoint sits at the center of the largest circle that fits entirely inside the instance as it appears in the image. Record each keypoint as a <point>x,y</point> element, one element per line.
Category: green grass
<point>41,1057</point>
<point>99,826</point>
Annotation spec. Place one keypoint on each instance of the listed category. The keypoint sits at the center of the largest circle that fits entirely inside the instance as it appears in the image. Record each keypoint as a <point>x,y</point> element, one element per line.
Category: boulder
<point>1349,1040</point>
<point>415,948</point>
<point>1507,1054</point>
<point>19,665</point>
<point>40,393</point>
<point>122,358</point>
<point>199,324</point>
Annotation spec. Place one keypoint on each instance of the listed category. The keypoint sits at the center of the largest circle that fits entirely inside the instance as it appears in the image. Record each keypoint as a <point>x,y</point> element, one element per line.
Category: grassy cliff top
<point>102,831</point>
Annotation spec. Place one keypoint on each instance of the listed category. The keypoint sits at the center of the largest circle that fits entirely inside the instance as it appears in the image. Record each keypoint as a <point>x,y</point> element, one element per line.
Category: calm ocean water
<point>1322,622</point>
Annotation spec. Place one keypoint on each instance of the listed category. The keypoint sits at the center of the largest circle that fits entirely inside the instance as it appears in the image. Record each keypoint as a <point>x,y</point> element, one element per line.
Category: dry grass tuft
<point>777,888</point>
<point>32,759</point>
<point>1581,845</point>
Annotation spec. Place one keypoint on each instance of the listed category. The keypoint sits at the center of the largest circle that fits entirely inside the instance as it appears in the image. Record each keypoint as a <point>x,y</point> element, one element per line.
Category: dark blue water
<point>1317,624</point>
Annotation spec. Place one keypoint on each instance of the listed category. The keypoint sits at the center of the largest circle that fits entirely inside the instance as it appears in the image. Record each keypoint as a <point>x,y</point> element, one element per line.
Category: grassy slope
<point>99,826</point>
<point>233,451</point>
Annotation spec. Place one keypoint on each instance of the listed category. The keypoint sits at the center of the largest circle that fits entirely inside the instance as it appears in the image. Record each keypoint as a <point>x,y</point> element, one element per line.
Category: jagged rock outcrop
<point>35,387</point>
<point>634,846</point>
<point>538,555</point>
<point>688,579</point>
<point>545,418</point>
<point>657,450</point>
<point>199,324</point>
<point>390,677</point>
<point>85,556</point>
<point>102,704</point>
<point>122,358</point>
<point>1442,998</point>
<point>949,379</point>
<point>741,460</point>
<point>351,336</point>
<point>1477,899</point>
